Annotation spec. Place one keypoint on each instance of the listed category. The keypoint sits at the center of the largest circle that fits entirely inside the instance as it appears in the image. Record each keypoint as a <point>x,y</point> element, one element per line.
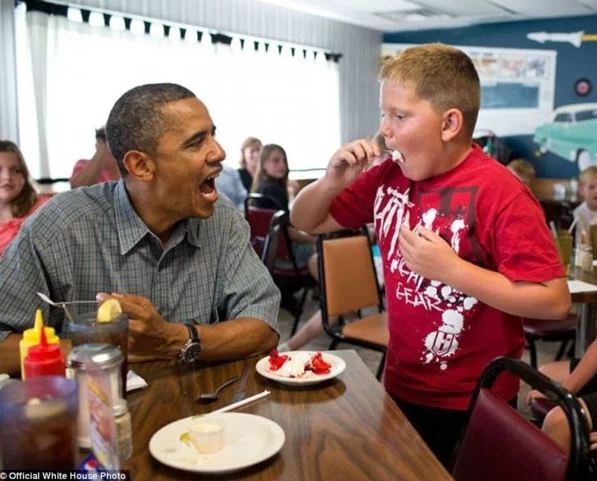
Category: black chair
<point>561,330</point>
<point>348,284</point>
<point>499,444</point>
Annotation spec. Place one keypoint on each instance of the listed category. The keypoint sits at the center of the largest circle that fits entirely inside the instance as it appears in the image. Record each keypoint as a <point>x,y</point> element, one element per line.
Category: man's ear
<point>452,124</point>
<point>139,165</point>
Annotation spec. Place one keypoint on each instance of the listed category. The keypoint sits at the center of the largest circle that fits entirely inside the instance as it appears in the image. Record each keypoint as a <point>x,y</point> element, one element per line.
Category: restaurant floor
<point>546,351</point>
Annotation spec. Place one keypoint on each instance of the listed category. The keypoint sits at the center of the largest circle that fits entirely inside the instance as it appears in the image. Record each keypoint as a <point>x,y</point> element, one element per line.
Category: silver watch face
<point>190,352</point>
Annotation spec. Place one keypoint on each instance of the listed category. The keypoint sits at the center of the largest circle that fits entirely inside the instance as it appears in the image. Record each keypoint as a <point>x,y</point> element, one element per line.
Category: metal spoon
<point>212,396</point>
<point>63,304</point>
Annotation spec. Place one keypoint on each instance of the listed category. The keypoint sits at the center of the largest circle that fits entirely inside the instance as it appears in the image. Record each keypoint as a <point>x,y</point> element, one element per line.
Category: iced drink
<point>85,329</point>
<point>38,419</point>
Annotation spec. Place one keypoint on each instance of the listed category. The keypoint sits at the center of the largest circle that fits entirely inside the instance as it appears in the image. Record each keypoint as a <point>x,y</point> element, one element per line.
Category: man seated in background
<point>101,167</point>
<point>178,262</point>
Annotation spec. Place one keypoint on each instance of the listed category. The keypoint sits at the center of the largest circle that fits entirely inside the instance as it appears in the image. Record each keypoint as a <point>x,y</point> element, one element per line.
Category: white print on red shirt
<point>393,208</point>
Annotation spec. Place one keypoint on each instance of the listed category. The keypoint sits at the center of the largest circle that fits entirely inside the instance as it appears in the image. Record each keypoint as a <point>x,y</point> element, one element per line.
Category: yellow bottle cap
<point>31,336</point>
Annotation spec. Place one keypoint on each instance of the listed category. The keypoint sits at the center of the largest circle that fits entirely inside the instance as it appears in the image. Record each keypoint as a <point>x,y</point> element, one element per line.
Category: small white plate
<point>337,363</point>
<point>248,440</point>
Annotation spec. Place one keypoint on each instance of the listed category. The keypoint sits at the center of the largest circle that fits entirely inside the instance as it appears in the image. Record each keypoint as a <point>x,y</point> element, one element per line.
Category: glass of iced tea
<point>38,419</point>
<point>85,329</point>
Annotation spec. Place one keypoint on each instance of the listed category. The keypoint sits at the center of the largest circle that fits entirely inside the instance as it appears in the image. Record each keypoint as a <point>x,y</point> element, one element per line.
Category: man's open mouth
<point>208,186</point>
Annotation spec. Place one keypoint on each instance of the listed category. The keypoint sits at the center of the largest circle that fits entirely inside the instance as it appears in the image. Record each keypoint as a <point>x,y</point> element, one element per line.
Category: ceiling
<point>399,15</point>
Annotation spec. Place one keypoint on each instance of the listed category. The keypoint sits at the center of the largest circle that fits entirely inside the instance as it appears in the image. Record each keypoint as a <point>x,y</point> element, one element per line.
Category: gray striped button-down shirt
<point>91,240</point>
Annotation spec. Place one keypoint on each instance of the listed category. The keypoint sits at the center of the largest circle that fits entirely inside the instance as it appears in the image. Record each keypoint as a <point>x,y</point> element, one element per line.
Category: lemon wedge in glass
<point>108,311</point>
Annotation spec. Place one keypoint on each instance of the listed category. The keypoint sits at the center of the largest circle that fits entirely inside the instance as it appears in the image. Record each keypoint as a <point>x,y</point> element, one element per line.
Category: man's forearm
<point>236,339</point>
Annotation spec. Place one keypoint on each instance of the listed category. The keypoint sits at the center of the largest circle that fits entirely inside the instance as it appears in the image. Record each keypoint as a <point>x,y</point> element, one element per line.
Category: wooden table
<point>346,429</point>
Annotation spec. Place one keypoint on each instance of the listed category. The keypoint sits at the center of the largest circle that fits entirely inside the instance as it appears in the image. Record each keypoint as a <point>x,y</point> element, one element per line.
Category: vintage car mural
<point>571,134</point>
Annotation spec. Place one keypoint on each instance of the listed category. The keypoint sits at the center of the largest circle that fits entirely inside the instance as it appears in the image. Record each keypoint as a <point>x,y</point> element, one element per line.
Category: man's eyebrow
<point>198,136</point>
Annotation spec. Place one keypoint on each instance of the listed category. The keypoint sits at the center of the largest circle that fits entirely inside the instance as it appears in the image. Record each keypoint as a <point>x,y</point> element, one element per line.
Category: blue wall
<point>571,64</point>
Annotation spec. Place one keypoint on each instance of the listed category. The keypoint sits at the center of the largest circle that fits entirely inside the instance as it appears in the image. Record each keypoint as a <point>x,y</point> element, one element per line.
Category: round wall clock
<point>582,87</point>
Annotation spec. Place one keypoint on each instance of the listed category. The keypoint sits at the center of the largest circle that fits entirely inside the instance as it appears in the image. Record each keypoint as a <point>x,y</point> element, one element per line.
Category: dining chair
<point>349,285</point>
<point>269,228</point>
<point>499,444</point>
<point>548,330</point>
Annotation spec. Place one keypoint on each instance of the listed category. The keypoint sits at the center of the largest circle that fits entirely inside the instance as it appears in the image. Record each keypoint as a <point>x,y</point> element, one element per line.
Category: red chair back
<point>499,444</point>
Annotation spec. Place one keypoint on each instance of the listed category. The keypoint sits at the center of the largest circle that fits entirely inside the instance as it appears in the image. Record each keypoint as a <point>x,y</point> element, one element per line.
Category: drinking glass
<point>85,329</point>
<point>38,419</point>
<point>565,246</point>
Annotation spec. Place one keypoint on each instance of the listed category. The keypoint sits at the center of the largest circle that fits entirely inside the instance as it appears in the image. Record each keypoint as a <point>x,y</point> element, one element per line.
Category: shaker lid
<point>95,355</point>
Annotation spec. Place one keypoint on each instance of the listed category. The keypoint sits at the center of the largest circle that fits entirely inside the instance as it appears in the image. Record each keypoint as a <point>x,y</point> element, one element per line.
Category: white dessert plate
<point>248,440</point>
<point>337,363</point>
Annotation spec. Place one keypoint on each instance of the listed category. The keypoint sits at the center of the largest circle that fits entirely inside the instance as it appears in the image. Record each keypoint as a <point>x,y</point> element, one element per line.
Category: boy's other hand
<point>350,160</point>
<point>427,254</point>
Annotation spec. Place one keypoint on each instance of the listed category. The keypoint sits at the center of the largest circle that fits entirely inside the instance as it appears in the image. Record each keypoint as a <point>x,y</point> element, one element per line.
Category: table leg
<point>585,332</point>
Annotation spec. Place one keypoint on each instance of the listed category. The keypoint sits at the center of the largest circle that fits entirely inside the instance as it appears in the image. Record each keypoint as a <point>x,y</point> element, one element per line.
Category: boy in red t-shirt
<point>466,252</point>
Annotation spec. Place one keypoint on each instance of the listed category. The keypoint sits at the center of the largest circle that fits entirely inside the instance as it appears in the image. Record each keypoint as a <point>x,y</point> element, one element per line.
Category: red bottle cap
<point>44,359</point>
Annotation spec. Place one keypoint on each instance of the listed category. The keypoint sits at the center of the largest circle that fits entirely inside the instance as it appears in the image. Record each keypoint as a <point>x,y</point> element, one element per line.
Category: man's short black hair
<point>135,122</point>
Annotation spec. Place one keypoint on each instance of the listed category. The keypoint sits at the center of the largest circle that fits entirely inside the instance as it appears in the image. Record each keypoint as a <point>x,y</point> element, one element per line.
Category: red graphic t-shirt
<point>442,339</point>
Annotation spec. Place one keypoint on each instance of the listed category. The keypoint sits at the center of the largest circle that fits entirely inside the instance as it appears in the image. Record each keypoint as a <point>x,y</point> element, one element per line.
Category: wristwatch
<point>191,349</point>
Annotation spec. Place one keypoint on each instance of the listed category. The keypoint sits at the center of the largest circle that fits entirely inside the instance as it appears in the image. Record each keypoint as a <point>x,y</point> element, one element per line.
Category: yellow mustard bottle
<point>31,338</point>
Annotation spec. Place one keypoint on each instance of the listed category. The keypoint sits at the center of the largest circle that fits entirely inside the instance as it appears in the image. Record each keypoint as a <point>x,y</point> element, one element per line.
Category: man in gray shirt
<point>177,261</point>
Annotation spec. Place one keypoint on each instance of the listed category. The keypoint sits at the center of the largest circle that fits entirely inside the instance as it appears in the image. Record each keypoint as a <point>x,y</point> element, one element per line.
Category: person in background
<point>101,167</point>
<point>586,213</point>
<point>230,184</point>
<point>464,257</point>
<point>249,158</point>
<point>579,376</point>
<point>271,180</point>
<point>177,258</point>
<point>524,170</point>
<point>18,198</point>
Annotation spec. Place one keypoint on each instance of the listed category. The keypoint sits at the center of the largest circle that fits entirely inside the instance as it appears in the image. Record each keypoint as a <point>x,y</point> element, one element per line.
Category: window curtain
<point>8,76</point>
<point>70,75</point>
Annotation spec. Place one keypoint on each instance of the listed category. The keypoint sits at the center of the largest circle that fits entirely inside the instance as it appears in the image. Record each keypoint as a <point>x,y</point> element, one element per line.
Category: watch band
<point>191,349</point>
<point>193,336</point>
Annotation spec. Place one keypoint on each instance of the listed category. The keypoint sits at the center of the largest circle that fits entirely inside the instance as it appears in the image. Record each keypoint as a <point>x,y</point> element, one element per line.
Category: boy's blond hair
<point>588,173</point>
<point>443,75</point>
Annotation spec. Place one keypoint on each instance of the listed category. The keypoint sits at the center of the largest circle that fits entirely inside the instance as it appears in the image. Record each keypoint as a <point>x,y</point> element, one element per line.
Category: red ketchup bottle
<point>44,359</point>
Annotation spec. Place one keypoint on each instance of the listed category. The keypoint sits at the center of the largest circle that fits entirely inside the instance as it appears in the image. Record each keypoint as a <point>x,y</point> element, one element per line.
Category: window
<point>80,70</point>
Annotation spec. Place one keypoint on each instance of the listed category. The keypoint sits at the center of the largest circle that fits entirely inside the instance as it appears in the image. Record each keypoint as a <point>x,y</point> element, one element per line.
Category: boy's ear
<point>452,124</point>
<point>139,165</point>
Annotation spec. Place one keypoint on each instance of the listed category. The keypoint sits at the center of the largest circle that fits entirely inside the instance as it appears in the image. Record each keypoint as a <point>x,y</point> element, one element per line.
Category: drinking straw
<point>241,403</point>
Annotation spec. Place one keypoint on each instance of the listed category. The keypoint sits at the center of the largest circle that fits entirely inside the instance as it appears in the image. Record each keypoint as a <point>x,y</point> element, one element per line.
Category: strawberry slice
<point>276,360</point>
<point>318,365</point>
